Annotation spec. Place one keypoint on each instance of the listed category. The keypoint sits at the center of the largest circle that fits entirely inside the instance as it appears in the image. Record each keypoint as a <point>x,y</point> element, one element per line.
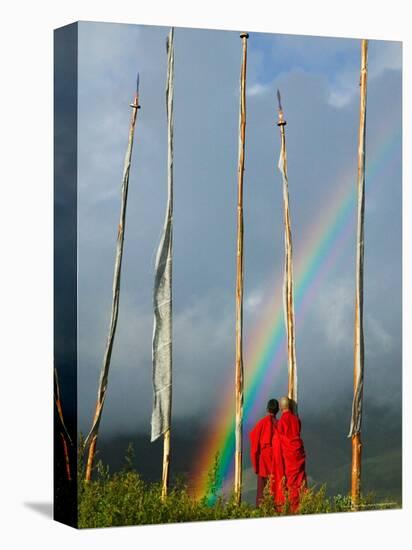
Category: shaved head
<point>284,403</point>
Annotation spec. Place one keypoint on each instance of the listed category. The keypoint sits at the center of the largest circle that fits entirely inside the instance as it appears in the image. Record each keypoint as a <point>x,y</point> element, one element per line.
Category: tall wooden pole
<point>64,434</point>
<point>166,463</point>
<point>66,457</point>
<point>288,299</point>
<point>91,439</point>
<point>355,428</point>
<point>239,278</point>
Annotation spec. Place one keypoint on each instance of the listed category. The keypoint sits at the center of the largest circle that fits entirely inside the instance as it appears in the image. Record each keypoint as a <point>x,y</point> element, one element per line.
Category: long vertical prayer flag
<point>162,330</point>
<point>104,374</point>
<point>288,301</point>
<point>239,279</point>
<point>356,419</point>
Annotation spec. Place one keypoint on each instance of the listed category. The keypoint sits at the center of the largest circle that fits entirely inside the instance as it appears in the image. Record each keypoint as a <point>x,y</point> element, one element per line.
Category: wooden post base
<point>356,470</point>
<point>90,458</point>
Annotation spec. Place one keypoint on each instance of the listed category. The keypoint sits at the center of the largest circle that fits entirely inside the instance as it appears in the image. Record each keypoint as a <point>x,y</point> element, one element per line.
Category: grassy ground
<point>124,498</point>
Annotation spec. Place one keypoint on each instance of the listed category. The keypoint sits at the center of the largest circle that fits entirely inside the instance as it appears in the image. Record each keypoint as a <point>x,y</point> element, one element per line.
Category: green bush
<point>124,498</point>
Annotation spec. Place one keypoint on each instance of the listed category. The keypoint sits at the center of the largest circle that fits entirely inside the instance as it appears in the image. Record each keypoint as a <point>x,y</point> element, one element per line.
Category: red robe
<point>289,477</point>
<point>261,451</point>
<point>261,445</point>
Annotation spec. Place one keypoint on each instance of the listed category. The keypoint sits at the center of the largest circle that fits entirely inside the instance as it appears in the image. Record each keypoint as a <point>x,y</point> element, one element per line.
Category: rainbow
<point>266,347</point>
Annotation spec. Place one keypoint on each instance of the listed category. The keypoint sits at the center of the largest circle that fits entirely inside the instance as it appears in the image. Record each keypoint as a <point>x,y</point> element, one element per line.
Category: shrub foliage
<point>124,498</point>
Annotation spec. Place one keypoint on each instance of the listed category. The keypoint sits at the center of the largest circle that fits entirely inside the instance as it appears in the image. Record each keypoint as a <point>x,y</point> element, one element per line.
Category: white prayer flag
<point>162,330</point>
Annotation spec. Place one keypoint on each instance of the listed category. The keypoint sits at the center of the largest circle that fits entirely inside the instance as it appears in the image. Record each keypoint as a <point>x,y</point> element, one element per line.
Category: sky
<point>318,79</point>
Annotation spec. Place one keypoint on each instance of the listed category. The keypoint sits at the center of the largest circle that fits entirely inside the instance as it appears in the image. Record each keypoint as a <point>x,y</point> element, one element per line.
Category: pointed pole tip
<point>279,100</point>
<point>135,104</point>
<point>169,38</point>
<point>281,119</point>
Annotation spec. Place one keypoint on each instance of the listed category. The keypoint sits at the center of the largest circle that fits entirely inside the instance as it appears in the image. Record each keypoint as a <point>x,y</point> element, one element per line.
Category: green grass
<point>124,498</point>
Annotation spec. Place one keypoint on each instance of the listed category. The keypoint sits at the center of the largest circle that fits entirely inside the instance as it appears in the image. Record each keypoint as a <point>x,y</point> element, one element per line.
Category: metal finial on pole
<point>239,280</point>
<point>281,120</point>
<point>135,103</point>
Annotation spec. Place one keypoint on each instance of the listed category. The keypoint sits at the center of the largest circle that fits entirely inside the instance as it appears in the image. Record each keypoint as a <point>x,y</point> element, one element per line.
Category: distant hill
<point>381,475</point>
<point>328,452</point>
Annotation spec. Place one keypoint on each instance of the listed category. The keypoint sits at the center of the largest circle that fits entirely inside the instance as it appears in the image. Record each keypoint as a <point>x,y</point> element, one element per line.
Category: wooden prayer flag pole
<point>66,457</point>
<point>64,434</point>
<point>91,439</point>
<point>166,463</point>
<point>355,427</point>
<point>239,278</point>
<point>169,108</point>
<point>288,300</point>
<point>162,342</point>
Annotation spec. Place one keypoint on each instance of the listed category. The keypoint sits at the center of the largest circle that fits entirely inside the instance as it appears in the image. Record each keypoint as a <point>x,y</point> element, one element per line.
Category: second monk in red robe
<point>261,447</point>
<point>289,477</point>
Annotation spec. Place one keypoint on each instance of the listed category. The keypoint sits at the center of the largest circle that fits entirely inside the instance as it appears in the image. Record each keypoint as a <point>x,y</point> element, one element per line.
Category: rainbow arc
<point>266,344</point>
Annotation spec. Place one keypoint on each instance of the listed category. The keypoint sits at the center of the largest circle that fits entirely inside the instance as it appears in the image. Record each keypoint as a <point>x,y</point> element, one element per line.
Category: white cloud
<point>381,56</point>
<point>253,300</point>
<point>206,160</point>
<point>257,89</point>
<point>335,312</point>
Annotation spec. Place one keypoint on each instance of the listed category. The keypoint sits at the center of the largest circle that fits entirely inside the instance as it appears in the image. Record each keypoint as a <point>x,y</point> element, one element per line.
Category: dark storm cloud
<point>65,214</point>
<point>321,107</point>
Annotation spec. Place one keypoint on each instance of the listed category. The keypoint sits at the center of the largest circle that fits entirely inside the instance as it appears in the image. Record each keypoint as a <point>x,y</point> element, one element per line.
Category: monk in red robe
<point>288,469</point>
<point>261,447</point>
